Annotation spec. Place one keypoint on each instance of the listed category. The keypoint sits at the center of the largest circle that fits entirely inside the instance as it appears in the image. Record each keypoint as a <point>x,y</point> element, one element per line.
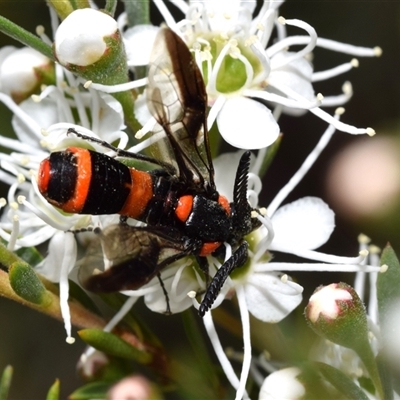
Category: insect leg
<point>168,310</point>
<point>123,153</point>
<point>238,258</point>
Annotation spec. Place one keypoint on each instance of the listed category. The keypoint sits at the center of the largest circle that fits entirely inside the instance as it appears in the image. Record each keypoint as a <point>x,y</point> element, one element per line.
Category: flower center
<point>228,65</point>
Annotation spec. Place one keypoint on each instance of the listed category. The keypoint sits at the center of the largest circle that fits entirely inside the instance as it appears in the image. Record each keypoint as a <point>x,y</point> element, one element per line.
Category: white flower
<point>28,219</point>
<point>19,69</point>
<point>240,67</point>
<point>282,384</point>
<point>79,39</point>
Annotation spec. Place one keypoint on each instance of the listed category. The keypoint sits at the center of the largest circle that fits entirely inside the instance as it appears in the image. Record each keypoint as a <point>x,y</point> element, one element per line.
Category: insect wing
<point>177,98</point>
<point>131,257</point>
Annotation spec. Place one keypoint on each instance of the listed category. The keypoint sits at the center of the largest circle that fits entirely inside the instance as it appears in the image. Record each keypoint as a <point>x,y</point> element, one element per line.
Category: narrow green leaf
<point>138,12</point>
<point>388,283</point>
<point>93,390</point>
<point>387,378</point>
<point>341,382</point>
<point>111,6</point>
<point>54,391</point>
<point>62,7</point>
<point>26,284</point>
<point>28,39</point>
<point>7,257</point>
<point>113,345</point>
<point>5,382</point>
<point>30,255</point>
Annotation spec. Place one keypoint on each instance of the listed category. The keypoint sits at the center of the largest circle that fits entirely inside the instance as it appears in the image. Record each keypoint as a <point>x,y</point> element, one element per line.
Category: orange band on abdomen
<point>141,192</point>
<point>84,174</point>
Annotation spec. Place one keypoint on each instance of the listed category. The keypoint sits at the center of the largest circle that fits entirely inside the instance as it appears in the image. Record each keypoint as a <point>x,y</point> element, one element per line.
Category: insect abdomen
<point>86,182</point>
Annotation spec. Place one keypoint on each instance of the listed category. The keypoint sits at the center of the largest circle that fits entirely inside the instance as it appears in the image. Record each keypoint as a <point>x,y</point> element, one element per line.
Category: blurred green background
<point>35,345</point>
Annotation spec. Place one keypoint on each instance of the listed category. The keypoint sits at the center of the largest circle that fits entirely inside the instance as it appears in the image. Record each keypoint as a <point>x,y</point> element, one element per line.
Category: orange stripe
<point>141,192</point>
<point>44,176</point>
<point>224,202</point>
<point>184,207</point>
<point>209,248</point>
<point>84,176</point>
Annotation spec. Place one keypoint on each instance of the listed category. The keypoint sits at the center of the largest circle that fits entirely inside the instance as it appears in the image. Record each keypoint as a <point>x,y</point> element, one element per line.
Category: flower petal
<point>139,43</point>
<point>44,113</point>
<point>306,223</point>
<point>247,124</point>
<point>50,268</point>
<point>268,298</point>
<point>225,166</point>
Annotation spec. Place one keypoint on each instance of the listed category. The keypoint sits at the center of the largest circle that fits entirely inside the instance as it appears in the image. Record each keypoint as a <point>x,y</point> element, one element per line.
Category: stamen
<point>332,101</point>
<point>30,123</point>
<point>214,110</point>
<point>338,70</point>
<point>304,104</point>
<point>122,87</point>
<point>119,316</point>
<point>328,44</point>
<point>245,320</point>
<point>168,18</point>
<point>148,142</point>
<point>40,31</point>
<point>222,358</point>
<point>307,49</point>
<point>315,267</point>
<point>14,233</point>
<point>301,172</point>
<point>146,128</point>
<point>212,83</point>
<point>266,241</point>
<point>67,264</point>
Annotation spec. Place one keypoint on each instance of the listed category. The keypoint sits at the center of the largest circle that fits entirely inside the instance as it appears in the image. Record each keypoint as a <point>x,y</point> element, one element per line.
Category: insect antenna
<point>238,258</point>
<point>123,153</point>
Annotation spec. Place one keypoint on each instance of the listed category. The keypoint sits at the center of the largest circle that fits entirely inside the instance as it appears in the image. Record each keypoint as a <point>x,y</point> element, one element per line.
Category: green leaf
<point>62,7</point>
<point>7,257</point>
<point>386,375</point>
<point>28,39</point>
<point>54,391</point>
<point>111,6</point>
<point>94,390</point>
<point>388,283</point>
<point>30,255</point>
<point>113,345</point>
<point>5,382</point>
<point>341,382</point>
<point>26,284</point>
<point>138,12</point>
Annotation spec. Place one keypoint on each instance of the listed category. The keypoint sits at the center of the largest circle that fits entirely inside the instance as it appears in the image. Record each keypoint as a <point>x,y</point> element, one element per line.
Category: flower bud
<point>282,384</point>
<point>133,387</point>
<point>89,44</point>
<point>81,38</point>
<point>22,72</point>
<point>335,312</point>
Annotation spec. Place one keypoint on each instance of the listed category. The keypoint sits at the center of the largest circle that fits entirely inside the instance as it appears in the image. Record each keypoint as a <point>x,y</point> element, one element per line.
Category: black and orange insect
<point>178,201</point>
